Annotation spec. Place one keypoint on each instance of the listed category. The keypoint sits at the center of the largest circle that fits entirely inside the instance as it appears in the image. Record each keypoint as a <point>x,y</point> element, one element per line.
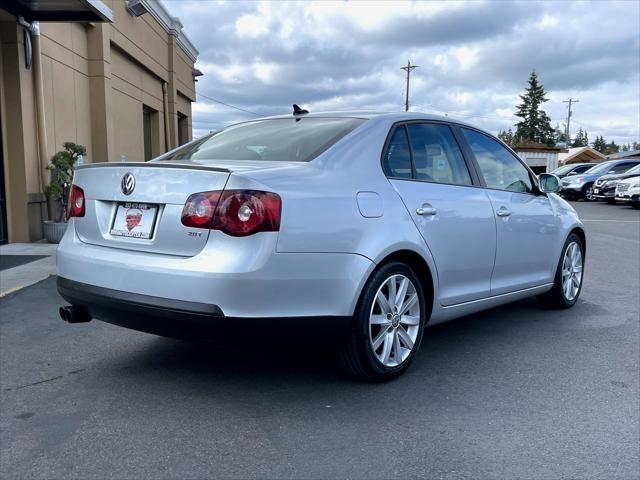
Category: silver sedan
<point>381,222</point>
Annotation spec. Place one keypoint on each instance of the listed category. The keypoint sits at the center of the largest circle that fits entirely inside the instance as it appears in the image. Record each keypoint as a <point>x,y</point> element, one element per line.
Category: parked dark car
<point>605,187</point>
<point>572,169</point>
<point>576,187</point>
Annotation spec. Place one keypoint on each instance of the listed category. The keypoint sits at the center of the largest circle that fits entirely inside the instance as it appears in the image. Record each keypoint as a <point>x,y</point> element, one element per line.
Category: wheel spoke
<point>392,292</point>
<point>383,303</point>
<point>386,349</point>
<point>402,333</point>
<point>576,281</point>
<point>397,349</point>
<point>567,287</point>
<point>379,320</point>
<point>410,320</point>
<point>382,334</point>
<point>406,306</point>
<point>402,292</point>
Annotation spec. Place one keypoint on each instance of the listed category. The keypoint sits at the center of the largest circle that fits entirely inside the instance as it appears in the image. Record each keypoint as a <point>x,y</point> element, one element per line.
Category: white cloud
<point>474,58</point>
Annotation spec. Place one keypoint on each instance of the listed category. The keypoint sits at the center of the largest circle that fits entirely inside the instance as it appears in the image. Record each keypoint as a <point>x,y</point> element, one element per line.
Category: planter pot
<point>53,231</point>
<point>53,208</point>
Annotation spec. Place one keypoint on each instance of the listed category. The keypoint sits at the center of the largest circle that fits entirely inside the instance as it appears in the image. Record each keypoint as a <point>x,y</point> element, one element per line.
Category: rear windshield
<point>282,139</point>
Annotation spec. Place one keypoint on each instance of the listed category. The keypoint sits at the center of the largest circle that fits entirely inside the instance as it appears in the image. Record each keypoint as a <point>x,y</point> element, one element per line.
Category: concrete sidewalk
<point>26,271</point>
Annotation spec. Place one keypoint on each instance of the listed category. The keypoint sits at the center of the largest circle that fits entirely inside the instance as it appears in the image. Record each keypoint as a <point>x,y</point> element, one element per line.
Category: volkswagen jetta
<point>383,222</point>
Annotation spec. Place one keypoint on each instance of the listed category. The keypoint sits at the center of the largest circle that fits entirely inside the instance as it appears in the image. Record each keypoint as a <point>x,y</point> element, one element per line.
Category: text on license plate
<point>134,220</point>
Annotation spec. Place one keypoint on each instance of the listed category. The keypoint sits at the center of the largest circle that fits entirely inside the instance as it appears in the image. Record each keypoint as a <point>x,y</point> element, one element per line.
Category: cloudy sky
<point>474,57</point>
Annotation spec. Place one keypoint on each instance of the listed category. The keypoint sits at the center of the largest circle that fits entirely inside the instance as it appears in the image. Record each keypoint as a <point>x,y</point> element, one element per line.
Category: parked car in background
<point>379,222</point>
<point>581,186</point>
<point>628,191</point>
<point>572,169</point>
<point>605,187</point>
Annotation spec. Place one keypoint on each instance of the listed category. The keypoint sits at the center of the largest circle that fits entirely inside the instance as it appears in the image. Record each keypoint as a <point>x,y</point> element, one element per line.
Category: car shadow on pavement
<point>458,344</point>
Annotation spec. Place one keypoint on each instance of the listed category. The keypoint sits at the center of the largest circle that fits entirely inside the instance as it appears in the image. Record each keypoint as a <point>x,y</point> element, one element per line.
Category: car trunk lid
<point>152,209</point>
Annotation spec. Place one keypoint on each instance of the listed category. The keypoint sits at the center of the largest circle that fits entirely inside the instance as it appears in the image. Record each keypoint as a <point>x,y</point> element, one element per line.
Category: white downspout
<point>34,29</point>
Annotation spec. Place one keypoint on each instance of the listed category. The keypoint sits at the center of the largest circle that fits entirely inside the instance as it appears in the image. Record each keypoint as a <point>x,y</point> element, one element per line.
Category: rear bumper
<point>233,277</point>
<point>172,318</point>
<point>628,198</point>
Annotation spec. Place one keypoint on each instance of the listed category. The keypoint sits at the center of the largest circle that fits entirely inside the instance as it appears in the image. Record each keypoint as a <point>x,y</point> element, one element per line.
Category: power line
<point>409,68</point>
<point>228,105</point>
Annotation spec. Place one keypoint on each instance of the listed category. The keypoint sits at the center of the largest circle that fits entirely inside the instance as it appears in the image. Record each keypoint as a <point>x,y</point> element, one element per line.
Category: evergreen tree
<point>599,144</point>
<point>636,146</point>
<point>581,139</point>
<point>506,136</point>
<point>535,124</point>
<point>559,135</point>
<point>611,148</point>
<point>625,147</point>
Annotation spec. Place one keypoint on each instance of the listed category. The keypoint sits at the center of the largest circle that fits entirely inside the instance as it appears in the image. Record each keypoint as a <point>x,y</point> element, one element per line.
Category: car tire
<point>558,297</point>
<point>587,193</point>
<point>357,355</point>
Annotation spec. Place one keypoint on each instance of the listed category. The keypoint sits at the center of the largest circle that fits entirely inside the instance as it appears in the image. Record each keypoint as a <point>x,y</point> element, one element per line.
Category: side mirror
<point>548,183</point>
<point>571,173</point>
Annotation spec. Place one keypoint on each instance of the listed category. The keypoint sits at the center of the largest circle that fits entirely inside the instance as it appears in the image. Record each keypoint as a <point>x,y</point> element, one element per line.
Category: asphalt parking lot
<point>515,392</point>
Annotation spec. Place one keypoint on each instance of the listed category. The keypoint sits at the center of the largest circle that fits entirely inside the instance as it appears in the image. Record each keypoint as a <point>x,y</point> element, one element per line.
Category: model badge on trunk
<point>128,183</point>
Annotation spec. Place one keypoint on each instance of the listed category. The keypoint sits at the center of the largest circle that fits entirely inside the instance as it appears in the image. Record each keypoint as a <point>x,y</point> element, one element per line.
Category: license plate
<point>596,190</point>
<point>134,220</point>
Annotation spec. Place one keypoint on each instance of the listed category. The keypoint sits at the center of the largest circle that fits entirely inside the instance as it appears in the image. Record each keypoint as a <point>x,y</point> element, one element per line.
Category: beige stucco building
<point>117,77</point>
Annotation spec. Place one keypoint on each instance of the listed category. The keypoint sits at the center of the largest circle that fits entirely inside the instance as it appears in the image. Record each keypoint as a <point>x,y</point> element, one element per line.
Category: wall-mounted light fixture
<point>136,7</point>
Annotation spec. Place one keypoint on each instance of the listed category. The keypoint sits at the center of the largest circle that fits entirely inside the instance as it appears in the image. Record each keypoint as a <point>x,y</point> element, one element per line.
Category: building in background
<point>628,155</point>
<point>541,158</point>
<point>117,77</point>
<point>580,155</point>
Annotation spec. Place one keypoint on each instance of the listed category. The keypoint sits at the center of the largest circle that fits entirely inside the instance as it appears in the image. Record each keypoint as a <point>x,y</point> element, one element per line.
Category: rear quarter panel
<point>319,201</point>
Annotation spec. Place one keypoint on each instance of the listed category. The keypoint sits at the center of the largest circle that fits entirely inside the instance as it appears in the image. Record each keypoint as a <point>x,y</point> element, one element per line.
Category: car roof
<point>369,115</point>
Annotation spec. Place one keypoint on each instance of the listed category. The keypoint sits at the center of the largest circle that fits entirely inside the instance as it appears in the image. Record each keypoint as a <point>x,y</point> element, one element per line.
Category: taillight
<point>76,202</point>
<point>199,210</point>
<point>235,212</point>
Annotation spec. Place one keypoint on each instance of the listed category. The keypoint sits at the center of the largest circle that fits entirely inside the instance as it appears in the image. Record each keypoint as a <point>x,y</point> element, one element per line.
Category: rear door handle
<point>503,212</point>
<point>426,210</point>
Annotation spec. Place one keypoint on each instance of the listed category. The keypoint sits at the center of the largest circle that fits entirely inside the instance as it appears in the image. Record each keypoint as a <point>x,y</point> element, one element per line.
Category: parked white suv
<point>628,191</point>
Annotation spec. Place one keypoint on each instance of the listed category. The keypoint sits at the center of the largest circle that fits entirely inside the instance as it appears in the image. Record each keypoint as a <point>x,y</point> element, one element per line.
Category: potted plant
<point>57,192</point>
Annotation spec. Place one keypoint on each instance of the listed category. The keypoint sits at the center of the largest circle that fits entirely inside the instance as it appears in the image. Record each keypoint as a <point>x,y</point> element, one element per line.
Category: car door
<point>528,229</point>
<point>453,214</point>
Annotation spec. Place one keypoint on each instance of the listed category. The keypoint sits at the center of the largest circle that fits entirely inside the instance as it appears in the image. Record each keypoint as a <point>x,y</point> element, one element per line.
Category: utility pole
<point>566,130</point>
<point>408,69</point>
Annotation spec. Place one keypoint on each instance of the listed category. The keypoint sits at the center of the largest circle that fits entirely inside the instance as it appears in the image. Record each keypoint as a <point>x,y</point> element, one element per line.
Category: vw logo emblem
<point>128,183</point>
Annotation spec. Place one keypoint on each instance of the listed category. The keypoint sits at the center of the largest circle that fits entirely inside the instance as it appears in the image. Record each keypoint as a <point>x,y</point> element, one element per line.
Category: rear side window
<point>397,159</point>
<point>500,169</point>
<point>282,139</point>
<point>436,155</point>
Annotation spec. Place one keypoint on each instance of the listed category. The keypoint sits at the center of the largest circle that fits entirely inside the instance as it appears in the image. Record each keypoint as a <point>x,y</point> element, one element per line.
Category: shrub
<point>61,167</point>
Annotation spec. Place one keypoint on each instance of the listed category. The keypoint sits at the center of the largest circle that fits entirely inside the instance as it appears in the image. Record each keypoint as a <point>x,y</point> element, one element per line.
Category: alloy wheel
<point>572,271</point>
<point>589,194</point>
<point>394,320</point>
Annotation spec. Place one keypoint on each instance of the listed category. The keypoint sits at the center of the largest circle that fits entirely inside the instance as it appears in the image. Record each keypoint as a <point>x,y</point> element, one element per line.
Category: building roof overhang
<point>59,10</point>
